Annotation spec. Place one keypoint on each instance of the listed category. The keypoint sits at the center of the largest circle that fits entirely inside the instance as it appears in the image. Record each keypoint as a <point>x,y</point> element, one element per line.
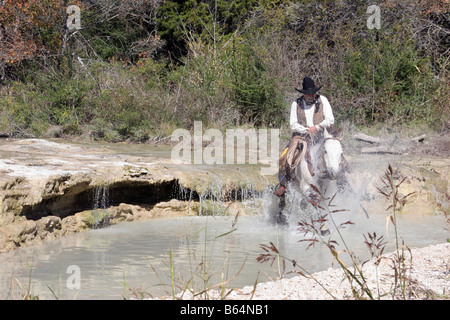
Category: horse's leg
<point>306,179</point>
<point>281,217</point>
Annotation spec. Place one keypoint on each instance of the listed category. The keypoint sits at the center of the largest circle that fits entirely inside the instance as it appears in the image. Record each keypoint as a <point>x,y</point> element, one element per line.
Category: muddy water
<point>136,255</point>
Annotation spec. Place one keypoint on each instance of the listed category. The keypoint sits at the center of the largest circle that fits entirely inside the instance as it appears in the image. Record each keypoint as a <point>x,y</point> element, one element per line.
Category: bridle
<point>325,172</point>
<point>332,138</point>
<point>322,157</point>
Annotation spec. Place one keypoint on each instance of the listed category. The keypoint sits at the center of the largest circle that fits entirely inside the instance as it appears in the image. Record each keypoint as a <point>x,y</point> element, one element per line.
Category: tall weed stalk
<point>200,282</point>
<point>391,181</point>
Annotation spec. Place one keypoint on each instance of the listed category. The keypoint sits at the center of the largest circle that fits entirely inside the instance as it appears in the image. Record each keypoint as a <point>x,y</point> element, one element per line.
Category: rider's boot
<point>280,192</point>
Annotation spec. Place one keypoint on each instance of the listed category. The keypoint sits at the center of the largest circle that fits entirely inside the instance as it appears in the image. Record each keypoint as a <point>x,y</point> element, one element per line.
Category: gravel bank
<point>429,278</point>
<point>428,275</point>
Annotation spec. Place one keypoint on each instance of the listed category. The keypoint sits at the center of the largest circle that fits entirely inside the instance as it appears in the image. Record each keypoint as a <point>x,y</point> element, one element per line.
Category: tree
<point>29,29</point>
<point>180,22</point>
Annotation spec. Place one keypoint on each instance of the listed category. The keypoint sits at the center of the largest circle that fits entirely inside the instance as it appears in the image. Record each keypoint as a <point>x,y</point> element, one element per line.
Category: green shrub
<point>151,67</point>
<point>254,91</point>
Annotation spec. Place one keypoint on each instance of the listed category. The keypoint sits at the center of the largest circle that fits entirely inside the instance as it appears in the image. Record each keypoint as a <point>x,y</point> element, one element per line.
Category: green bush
<point>66,97</point>
<point>254,90</point>
<point>147,68</point>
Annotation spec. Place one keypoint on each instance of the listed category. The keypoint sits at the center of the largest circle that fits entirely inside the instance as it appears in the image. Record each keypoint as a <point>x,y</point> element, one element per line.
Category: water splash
<point>297,208</point>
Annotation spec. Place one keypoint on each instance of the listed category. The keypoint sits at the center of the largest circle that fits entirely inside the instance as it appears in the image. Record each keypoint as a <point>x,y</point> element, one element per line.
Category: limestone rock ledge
<point>32,210</point>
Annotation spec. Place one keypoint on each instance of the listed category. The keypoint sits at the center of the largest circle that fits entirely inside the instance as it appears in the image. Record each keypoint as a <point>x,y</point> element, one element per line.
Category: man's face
<point>310,97</point>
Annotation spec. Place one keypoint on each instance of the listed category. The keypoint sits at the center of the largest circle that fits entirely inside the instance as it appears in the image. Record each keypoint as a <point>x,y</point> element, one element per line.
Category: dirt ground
<point>438,146</point>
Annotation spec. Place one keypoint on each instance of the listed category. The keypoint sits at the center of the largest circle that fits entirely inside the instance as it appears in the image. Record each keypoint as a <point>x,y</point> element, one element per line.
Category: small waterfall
<point>212,196</point>
<point>101,201</point>
<point>215,198</point>
<point>183,193</point>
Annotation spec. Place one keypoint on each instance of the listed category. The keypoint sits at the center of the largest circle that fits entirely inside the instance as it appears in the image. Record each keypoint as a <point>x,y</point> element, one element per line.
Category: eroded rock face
<point>62,204</point>
<point>25,232</point>
<point>49,189</point>
<point>66,204</point>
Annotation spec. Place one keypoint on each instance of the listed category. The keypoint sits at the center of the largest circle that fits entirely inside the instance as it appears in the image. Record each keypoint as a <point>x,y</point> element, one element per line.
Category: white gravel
<point>428,278</point>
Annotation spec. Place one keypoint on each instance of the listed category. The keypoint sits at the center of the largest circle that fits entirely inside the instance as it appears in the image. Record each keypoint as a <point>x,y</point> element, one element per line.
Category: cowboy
<point>310,114</point>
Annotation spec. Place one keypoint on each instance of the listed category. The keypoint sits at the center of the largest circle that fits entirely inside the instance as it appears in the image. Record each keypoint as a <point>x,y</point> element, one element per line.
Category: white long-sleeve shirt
<point>309,114</point>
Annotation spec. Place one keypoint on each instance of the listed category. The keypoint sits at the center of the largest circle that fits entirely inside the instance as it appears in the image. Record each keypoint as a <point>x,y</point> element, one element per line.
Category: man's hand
<point>312,130</point>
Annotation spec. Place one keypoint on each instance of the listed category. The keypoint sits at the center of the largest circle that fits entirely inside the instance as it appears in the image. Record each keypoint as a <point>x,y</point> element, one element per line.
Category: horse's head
<point>332,153</point>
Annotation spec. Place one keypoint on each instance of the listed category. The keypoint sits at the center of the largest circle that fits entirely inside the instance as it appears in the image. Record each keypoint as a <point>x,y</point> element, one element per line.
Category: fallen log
<point>366,138</point>
<point>419,138</point>
<point>382,149</point>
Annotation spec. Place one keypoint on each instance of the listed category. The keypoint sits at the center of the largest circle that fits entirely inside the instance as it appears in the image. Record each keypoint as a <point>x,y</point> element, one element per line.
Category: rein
<point>332,138</point>
<point>324,173</point>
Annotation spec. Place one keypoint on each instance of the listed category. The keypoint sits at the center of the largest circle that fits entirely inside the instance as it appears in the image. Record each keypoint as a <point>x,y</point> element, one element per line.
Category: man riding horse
<point>310,115</point>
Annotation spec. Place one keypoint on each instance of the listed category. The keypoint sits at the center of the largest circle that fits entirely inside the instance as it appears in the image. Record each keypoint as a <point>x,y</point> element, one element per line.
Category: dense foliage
<point>141,68</point>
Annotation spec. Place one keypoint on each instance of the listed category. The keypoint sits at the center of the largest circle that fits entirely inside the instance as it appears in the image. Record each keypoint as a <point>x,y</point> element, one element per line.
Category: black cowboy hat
<point>308,86</point>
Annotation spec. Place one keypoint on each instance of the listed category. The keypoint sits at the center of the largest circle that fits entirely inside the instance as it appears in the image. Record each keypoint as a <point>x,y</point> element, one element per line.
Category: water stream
<point>100,203</point>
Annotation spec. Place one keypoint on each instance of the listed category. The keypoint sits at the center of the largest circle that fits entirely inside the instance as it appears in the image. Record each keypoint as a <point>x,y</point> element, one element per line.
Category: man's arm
<point>295,126</point>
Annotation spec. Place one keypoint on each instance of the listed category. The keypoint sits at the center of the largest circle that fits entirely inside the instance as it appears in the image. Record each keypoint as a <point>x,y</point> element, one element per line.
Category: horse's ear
<point>325,133</point>
<point>337,132</point>
<point>340,133</point>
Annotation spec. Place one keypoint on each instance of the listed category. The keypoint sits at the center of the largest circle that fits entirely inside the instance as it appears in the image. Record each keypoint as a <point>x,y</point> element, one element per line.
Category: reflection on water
<point>136,254</point>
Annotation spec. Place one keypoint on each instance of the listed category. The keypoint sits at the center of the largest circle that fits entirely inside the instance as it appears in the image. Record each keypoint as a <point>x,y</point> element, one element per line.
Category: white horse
<point>327,164</point>
<point>325,167</point>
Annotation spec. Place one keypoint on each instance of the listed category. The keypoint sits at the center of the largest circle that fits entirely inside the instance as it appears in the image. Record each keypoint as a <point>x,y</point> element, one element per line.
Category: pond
<point>136,257</point>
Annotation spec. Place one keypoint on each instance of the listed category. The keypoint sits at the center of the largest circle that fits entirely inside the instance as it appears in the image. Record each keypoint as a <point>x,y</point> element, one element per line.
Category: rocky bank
<point>49,189</point>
